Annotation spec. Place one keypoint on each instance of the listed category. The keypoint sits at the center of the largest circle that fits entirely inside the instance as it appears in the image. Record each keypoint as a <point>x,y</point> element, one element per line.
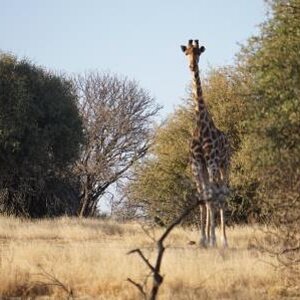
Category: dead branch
<point>156,267</point>
<point>146,261</point>
<point>138,286</point>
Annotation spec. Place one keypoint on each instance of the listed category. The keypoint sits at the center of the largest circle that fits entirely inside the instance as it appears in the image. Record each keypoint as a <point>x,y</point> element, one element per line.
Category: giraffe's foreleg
<point>203,236</point>
<point>207,225</point>
<point>211,224</point>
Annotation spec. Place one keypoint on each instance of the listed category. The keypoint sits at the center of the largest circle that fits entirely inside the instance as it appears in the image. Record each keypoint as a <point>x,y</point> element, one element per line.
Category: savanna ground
<point>86,259</point>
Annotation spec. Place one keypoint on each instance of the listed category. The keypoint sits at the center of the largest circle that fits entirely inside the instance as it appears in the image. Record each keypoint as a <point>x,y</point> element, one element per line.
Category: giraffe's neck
<point>197,92</point>
<point>202,114</point>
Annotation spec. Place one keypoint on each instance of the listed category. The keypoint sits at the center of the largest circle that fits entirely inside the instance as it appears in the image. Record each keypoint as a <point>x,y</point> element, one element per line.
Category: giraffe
<point>209,156</point>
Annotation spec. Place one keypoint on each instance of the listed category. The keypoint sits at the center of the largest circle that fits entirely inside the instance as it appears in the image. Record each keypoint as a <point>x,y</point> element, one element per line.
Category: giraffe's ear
<point>183,48</point>
<point>201,49</point>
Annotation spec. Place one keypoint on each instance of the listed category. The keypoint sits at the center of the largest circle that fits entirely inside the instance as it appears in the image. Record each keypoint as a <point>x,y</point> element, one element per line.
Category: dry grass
<point>87,259</point>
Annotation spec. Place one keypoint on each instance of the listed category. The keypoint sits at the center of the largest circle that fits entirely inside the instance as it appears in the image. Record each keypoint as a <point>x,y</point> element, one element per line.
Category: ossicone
<point>202,49</point>
<point>183,48</point>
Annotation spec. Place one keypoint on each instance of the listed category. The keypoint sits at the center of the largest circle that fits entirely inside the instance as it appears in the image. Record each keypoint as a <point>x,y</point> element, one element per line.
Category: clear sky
<point>136,38</point>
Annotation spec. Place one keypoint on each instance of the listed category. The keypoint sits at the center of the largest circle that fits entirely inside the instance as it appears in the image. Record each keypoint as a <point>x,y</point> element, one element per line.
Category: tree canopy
<point>270,154</point>
<point>40,135</point>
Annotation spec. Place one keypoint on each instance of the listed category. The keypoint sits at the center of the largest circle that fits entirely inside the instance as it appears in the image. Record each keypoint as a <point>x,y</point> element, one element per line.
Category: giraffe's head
<point>193,52</point>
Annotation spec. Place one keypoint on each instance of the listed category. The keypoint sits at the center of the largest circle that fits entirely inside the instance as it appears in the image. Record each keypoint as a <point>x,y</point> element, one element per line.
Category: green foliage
<point>162,185</point>
<point>40,134</point>
<point>271,145</point>
<point>270,152</point>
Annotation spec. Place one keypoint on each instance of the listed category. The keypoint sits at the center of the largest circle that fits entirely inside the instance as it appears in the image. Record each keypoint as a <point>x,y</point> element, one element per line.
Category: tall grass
<point>87,259</point>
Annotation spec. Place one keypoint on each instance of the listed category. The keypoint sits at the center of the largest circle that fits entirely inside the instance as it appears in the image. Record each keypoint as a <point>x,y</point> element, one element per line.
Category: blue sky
<point>139,39</point>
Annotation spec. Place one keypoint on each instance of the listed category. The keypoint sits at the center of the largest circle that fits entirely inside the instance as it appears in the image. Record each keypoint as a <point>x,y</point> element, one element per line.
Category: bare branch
<point>141,254</point>
<point>138,286</point>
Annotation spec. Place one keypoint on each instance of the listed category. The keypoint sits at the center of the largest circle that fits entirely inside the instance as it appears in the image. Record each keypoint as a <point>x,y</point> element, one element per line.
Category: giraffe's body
<point>209,152</point>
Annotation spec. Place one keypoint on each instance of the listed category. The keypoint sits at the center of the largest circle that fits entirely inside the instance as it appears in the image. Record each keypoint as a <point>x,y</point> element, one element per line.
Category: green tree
<point>40,135</point>
<point>271,144</point>
<point>270,153</point>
